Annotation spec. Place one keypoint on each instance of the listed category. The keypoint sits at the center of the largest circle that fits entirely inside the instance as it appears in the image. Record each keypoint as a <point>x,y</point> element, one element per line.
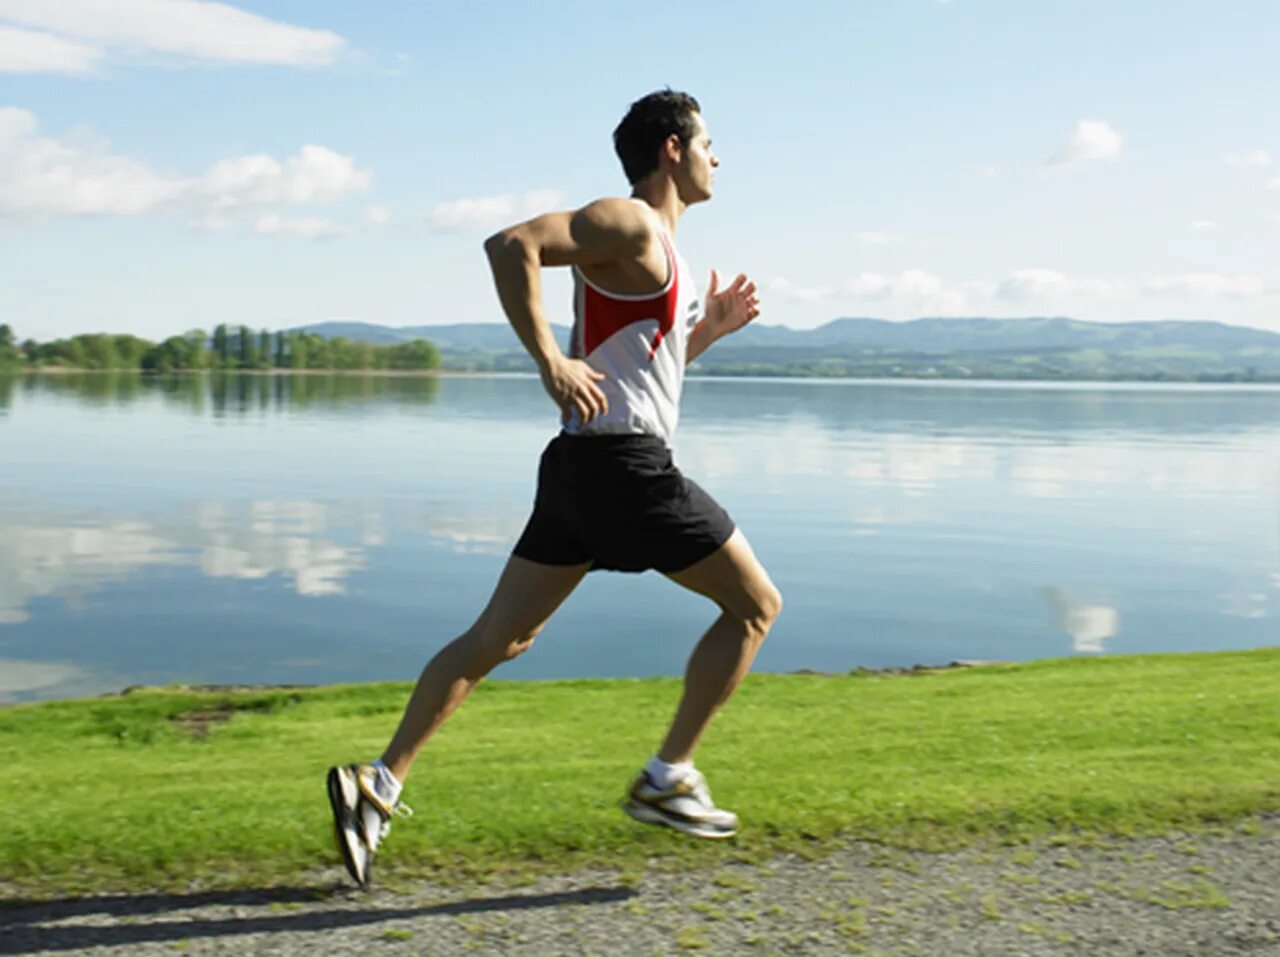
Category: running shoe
<point>686,806</point>
<point>361,817</point>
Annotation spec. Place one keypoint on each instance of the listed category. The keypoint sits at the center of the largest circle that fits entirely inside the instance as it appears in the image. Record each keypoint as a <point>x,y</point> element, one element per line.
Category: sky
<point>172,164</point>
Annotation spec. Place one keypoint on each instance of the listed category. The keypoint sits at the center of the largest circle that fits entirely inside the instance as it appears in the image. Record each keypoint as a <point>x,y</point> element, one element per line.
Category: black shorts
<point>618,502</point>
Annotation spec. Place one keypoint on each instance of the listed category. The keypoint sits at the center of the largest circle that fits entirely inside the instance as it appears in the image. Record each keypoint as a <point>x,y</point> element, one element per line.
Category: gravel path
<point>1182,894</point>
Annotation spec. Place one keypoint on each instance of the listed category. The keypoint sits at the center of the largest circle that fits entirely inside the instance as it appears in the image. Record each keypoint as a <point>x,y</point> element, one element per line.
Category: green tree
<point>319,352</point>
<point>415,354</point>
<point>264,350</point>
<point>98,350</point>
<point>297,350</point>
<point>128,351</point>
<point>222,345</point>
<point>197,351</point>
<point>282,356</point>
<point>10,357</point>
<point>248,353</point>
<point>165,357</point>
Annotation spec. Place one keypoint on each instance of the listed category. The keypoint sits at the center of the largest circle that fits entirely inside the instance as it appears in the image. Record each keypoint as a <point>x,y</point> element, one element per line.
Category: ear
<point>672,148</point>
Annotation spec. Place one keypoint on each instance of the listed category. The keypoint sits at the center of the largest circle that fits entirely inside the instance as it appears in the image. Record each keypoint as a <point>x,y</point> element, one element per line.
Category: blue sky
<point>169,164</point>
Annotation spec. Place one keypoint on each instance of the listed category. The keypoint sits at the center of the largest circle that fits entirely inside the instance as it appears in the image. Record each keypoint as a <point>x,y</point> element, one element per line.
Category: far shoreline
<point>1135,384</point>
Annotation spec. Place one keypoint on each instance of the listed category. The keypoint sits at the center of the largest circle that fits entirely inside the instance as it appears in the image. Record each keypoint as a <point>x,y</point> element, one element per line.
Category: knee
<point>497,646</point>
<point>765,607</point>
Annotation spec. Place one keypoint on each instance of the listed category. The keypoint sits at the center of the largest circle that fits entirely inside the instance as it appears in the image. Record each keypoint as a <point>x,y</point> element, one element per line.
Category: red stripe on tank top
<point>605,316</point>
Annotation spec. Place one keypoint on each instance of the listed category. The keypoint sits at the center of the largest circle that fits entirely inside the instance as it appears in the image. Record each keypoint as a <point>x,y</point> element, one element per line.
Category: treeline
<point>229,348</point>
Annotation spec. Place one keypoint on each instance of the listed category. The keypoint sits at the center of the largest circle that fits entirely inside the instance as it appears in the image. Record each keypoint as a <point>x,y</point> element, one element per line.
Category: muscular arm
<point>608,230</point>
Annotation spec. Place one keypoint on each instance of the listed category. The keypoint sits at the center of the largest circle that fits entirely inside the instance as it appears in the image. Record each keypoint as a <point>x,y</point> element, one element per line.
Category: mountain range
<point>1050,347</point>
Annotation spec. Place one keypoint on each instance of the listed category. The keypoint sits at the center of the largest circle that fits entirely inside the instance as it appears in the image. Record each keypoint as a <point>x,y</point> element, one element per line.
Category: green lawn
<point>113,794</point>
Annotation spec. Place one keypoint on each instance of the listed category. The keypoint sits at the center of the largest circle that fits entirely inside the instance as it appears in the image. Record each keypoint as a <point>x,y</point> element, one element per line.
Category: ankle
<point>386,784</point>
<point>664,774</point>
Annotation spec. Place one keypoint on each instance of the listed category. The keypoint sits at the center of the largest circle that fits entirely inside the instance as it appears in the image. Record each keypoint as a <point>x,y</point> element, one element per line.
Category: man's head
<point>665,130</point>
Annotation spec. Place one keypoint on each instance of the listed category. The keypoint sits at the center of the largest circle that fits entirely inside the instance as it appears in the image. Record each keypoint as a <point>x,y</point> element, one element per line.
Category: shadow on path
<point>19,933</point>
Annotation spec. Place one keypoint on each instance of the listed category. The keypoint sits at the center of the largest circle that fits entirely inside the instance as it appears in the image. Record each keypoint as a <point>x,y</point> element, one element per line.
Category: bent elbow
<point>504,243</point>
<point>494,243</point>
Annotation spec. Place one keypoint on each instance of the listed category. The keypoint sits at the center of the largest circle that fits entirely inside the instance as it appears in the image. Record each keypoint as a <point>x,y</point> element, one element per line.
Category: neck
<point>661,194</point>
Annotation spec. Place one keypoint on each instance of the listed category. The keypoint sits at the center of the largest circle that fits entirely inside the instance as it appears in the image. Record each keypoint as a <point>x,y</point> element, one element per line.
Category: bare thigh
<point>734,579</point>
<point>527,594</point>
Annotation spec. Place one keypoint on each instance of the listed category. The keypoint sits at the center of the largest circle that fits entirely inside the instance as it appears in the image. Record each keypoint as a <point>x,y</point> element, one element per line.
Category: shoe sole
<point>338,802</point>
<point>648,814</point>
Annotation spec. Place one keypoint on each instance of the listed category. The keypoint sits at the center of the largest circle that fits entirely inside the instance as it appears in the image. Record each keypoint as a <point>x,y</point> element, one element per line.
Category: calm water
<point>316,529</point>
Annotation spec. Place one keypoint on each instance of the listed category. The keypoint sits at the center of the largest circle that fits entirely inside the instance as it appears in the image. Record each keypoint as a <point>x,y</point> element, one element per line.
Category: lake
<point>312,529</point>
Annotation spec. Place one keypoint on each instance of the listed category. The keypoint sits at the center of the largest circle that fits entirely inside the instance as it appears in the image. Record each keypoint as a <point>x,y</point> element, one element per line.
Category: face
<point>696,171</point>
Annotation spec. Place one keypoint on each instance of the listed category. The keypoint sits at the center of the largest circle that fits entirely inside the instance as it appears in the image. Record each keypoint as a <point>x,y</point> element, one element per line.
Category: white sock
<point>386,784</point>
<point>664,775</point>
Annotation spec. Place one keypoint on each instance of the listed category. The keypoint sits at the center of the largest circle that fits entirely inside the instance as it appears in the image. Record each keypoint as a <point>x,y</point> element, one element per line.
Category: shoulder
<point>625,221</point>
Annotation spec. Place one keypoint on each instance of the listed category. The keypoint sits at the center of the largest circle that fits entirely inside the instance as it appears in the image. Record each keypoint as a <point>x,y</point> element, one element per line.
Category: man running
<point>608,494</point>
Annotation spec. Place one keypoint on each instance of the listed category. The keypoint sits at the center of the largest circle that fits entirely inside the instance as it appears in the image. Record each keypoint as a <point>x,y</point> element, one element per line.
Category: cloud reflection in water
<point>1090,626</point>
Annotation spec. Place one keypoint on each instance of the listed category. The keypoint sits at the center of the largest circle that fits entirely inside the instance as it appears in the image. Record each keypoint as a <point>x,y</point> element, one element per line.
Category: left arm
<point>725,312</point>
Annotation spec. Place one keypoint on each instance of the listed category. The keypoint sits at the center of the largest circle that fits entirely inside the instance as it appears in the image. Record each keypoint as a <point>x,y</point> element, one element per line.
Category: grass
<point>133,792</point>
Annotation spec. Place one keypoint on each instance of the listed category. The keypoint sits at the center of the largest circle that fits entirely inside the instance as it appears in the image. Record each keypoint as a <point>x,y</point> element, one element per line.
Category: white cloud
<point>46,176</point>
<point>1092,140</point>
<point>27,51</point>
<point>784,285</point>
<point>42,176</point>
<point>875,238</point>
<point>918,292</point>
<point>1208,284</point>
<point>1204,225</point>
<point>1273,183</point>
<point>305,227</point>
<point>187,28</point>
<point>211,222</point>
<point>487,212</point>
<point>377,215</point>
<point>1253,158</point>
<point>912,289</point>
<point>315,175</point>
<point>1047,285</point>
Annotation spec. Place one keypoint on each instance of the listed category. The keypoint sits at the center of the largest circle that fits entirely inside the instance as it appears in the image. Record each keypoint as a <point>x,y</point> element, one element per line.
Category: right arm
<point>608,230</point>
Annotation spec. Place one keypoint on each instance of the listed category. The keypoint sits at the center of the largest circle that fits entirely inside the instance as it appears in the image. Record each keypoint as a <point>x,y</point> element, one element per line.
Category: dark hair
<point>646,127</point>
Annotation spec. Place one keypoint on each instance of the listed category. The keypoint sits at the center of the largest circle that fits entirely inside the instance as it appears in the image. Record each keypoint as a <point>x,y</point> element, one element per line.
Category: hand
<point>732,309</point>
<point>571,383</point>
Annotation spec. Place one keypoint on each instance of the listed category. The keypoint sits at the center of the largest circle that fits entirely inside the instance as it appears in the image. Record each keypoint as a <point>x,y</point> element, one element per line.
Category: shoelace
<point>700,789</point>
<point>384,823</point>
<point>400,810</point>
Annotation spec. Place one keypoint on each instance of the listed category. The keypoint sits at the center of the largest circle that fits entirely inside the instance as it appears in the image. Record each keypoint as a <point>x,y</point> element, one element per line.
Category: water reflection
<point>1028,409</point>
<point>315,547</point>
<point>50,555</point>
<point>1090,626</point>
<point>24,679</point>
<point>1046,469</point>
<point>240,394</point>
<point>476,534</point>
<point>326,527</point>
<point>1012,410</point>
<point>226,393</point>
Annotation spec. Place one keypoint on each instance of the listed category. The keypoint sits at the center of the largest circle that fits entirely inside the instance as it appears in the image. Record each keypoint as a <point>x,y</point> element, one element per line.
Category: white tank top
<point>639,344</point>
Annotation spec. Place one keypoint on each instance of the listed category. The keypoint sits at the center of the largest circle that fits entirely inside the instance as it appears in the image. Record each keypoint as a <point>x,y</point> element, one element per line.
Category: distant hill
<point>1048,347</point>
<point>476,346</point>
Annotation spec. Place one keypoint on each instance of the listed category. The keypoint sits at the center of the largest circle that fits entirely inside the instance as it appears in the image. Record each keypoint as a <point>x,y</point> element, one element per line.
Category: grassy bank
<point>174,788</point>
